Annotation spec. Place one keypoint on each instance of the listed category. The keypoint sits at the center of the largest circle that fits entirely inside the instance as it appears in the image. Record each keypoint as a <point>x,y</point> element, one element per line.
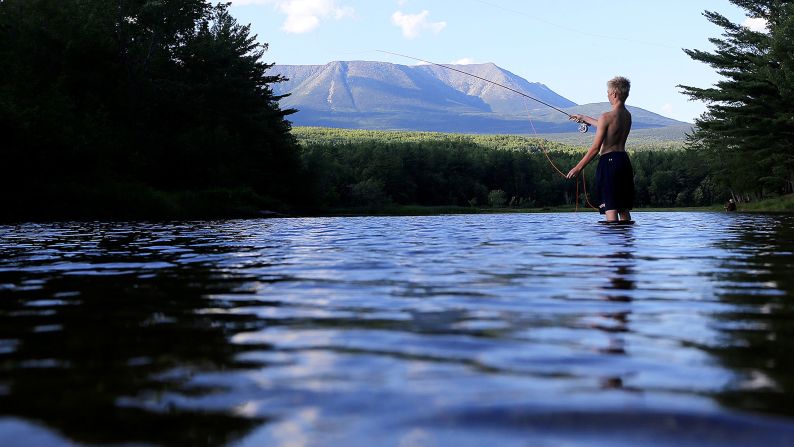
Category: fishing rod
<point>583,127</point>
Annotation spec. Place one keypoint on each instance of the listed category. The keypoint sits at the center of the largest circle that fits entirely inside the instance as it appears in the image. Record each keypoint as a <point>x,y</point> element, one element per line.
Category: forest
<point>138,109</point>
<point>372,169</point>
<point>135,109</point>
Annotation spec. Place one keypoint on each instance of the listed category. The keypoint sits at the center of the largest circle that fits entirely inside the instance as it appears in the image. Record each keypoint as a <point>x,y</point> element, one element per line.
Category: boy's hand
<point>578,118</point>
<point>573,172</point>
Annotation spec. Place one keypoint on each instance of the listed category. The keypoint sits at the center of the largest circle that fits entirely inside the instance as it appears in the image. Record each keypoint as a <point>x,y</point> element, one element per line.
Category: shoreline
<point>774,207</point>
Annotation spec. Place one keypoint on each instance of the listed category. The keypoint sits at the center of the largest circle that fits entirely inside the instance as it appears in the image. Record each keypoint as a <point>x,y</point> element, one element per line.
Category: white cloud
<point>299,24</point>
<point>464,61</point>
<point>344,12</point>
<point>304,16</point>
<point>412,25</point>
<point>756,24</point>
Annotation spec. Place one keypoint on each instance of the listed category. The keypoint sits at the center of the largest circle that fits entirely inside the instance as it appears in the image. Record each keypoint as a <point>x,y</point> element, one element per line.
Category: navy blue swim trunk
<point>615,182</point>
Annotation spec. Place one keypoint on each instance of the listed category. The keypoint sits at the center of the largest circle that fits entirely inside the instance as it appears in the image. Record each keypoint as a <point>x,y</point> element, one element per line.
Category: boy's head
<point>619,85</point>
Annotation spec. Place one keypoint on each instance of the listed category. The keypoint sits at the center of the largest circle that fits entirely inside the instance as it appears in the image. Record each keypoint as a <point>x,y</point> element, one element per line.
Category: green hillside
<point>640,140</point>
<point>661,138</point>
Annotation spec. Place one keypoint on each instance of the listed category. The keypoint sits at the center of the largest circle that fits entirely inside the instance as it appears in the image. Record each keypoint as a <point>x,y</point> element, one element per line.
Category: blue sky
<point>572,46</point>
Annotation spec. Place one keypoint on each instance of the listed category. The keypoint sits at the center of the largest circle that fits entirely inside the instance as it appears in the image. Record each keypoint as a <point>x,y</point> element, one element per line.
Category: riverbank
<point>782,204</point>
<point>243,204</point>
<point>135,202</point>
<point>418,210</point>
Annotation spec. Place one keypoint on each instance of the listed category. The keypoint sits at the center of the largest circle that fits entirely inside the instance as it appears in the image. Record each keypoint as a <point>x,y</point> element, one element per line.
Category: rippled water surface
<point>508,330</point>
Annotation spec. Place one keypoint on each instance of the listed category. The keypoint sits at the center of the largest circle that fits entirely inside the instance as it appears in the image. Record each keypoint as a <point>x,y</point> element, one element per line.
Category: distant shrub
<point>497,198</point>
<point>368,192</point>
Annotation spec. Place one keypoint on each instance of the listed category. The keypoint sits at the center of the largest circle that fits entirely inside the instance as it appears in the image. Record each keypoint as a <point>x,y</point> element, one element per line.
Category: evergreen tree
<point>749,125</point>
<point>166,96</point>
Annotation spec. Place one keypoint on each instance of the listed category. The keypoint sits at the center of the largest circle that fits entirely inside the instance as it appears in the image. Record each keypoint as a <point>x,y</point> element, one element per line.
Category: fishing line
<point>546,153</point>
<point>574,30</point>
<point>583,127</point>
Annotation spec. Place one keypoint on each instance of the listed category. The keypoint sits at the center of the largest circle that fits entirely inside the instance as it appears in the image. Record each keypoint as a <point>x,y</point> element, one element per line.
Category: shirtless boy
<point>614,175</point>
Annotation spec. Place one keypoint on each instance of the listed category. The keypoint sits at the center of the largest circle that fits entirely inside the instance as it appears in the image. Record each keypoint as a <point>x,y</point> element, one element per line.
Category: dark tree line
<point>107,105</point>
<point>749,127</point>
<point>463,173</point>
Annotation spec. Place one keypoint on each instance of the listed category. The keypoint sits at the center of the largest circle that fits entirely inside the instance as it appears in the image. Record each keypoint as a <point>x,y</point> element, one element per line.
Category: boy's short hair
<point>620,85</point>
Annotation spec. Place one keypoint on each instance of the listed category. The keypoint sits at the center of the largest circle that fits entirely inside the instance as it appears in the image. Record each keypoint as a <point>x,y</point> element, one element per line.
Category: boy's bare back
<point>617,125</point>
<point>612,128</point>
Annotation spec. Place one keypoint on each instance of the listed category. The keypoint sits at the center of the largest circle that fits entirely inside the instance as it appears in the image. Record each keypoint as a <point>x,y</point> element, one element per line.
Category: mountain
<point>381,95</point>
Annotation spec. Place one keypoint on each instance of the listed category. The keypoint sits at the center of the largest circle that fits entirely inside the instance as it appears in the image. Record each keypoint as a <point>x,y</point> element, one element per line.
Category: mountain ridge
<point>382,96</point>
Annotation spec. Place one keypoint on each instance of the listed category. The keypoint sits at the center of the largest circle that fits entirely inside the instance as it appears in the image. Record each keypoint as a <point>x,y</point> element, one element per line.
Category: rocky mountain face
<point>380,95</point>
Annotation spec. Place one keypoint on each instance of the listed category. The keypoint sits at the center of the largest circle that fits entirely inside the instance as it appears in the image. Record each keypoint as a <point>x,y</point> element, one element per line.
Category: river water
<point>507,329</point>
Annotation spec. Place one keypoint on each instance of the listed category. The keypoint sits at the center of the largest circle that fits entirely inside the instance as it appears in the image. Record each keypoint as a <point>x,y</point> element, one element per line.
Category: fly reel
<point>583,127</point>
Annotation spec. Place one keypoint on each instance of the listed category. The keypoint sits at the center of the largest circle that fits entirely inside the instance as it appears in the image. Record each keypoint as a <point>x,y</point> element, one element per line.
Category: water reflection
<point>621,283</point>
<point>449,330</point>
<point>758,330</point>
<point>91,335</point>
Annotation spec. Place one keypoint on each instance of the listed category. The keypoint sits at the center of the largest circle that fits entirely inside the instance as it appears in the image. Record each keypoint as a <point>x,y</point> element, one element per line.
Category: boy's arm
<point>597,142</point>
<point>579,118</point>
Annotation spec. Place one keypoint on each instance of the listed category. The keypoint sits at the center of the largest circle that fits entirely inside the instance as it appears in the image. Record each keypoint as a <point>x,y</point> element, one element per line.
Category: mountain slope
<point>380,95</point>
<point>499,99</point>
